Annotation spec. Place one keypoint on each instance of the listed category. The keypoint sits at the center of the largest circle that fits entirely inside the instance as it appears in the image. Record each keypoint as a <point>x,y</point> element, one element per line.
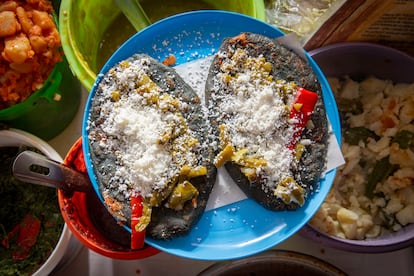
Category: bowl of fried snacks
<point>38,93</point>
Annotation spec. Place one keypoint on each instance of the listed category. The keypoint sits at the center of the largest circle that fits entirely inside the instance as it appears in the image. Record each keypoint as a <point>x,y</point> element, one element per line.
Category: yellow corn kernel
<point>346,216</point>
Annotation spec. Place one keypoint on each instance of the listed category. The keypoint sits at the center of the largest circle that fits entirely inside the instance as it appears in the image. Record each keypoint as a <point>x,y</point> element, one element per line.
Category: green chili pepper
<point>356,134</point>
<point>382,169</point>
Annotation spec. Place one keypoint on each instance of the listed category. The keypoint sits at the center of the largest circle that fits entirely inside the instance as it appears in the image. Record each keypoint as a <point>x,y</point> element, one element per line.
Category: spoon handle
<point>35,168</point>
<point>134,12</point>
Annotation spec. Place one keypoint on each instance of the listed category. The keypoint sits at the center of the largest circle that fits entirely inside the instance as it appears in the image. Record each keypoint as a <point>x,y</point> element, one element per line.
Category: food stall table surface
<point>87,262</point>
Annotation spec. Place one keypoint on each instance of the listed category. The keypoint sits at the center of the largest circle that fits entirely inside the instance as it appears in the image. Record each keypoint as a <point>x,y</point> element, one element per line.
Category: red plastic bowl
<point>90,222</point>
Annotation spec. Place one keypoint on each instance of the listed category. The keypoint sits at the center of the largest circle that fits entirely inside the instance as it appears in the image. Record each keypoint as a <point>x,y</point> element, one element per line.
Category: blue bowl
<point>220,233</point>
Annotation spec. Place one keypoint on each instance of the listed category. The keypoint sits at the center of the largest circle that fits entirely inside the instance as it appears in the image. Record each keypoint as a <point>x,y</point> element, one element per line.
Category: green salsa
<point>20,201</point>
<point>115,35</point>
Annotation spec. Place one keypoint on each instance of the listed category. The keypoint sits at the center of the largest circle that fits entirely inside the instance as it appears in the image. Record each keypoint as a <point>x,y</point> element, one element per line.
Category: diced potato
<point>388,108</point>
<point>346,216</point>
<point>406,215</point>
<point>350,230</point>
<point>393,206</point>
<point>407,112</point>
<point>350,89</point>
<point>373,85</point>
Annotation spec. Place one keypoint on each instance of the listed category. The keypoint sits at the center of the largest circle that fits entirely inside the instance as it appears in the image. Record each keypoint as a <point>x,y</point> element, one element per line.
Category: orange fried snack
<point>29,48</point>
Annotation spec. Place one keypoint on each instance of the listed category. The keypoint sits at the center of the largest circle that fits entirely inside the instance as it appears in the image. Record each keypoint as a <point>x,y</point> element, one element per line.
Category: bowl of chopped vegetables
<point>34,237</point>
<point>370,207</point>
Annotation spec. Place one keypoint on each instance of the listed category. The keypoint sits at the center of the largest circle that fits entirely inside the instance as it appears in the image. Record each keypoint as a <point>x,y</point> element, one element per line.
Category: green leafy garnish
<point>382,169</point>
<point>354,135</point>
<point>404,138</point>
<point>353,106</point>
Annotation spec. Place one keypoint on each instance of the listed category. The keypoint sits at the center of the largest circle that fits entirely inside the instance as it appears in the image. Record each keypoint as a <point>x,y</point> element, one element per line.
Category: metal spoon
<point>134,12</point>
<point>35,168</point>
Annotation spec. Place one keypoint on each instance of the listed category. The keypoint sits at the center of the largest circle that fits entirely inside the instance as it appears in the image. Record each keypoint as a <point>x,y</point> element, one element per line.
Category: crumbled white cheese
<point>255,113</point>
<point>132,127</point>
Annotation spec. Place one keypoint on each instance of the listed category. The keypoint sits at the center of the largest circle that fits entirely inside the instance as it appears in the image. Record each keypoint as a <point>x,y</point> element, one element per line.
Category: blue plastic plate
<point>242,228</point>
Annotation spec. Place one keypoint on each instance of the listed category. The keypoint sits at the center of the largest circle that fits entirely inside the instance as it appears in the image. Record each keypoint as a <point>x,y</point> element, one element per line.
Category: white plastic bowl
<point>67,246</point>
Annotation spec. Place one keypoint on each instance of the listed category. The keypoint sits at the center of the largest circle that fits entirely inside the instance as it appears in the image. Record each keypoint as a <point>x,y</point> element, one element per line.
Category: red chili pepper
<point>28,231</point>
<point>301,111</point>
<point>137,237</point>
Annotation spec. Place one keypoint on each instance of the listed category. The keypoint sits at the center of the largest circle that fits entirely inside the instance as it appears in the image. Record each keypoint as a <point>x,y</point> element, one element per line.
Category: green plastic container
<point>84,22</point>
<point>48,111</point>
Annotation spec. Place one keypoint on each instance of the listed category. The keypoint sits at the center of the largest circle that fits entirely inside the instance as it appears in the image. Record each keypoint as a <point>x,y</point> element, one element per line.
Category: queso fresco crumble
<point>255,121</point>
<point>141,130</point>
